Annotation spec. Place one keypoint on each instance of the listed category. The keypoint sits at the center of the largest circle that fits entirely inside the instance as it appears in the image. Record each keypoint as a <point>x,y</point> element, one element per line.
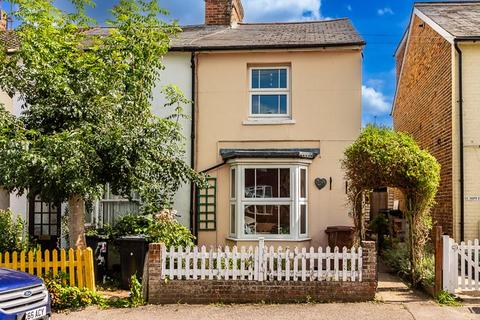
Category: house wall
<point>6,101</point>
<point>423,107</point>
<point>178,71</point>
<point>471,138</point>
<point>326,108</point>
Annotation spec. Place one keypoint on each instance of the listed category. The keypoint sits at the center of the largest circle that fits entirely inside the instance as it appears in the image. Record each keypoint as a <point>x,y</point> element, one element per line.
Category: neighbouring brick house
<point>438,72</point>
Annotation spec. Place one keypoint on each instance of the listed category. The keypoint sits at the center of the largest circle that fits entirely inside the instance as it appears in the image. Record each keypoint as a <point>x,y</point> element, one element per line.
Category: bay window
<point>268,200</point>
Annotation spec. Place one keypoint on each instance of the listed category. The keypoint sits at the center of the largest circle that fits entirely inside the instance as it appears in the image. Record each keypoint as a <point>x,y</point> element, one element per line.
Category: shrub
<point>132,225</point>
<point>136,295</point>
<point>159,228</point>
<point>171,233</point>
<point>66,297</point>
<point>13,233</point>
<point>397,258</point>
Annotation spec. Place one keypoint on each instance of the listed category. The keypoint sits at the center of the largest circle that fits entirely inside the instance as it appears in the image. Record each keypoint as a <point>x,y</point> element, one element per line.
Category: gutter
<point>218,165</point>
<point>462,164</point>
<point>257,47</point>
<point>193,220</point>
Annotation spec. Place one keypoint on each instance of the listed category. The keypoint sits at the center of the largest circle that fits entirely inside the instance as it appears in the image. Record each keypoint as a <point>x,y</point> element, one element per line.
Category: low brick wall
<point>160,291</point>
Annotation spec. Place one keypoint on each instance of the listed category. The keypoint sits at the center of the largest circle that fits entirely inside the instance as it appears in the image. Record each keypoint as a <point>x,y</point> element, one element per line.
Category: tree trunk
<point>76,222</point>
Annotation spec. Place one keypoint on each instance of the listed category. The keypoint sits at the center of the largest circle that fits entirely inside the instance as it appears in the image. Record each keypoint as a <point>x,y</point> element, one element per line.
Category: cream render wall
<point>178,72</point>
<point>4,196</point>
<point>455,148</point>
<point>471,116</point>
<point>326,109</point>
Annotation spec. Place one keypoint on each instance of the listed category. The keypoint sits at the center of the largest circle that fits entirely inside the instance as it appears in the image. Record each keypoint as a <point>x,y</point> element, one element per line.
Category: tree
<point>382,157</point>
<point>86,96</point>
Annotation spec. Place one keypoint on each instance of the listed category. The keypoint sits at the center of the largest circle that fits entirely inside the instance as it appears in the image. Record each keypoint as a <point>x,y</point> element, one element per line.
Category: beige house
<point>276,106</point>
<point>437,101</point>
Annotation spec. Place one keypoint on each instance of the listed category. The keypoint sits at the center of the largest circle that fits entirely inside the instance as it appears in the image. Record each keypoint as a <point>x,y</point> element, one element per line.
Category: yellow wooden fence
<point>77,264</point>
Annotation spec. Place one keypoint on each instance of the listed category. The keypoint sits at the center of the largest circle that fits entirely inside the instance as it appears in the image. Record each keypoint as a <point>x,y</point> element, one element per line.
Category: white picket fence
<point>461,265</point>
<point>262,264</point>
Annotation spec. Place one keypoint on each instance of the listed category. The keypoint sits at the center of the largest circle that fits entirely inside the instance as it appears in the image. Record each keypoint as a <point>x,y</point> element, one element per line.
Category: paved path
<point>391,290</point>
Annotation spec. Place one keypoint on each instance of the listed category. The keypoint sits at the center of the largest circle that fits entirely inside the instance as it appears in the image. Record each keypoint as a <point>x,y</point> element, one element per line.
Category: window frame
<point>241,202</point>
<point>269,91</point>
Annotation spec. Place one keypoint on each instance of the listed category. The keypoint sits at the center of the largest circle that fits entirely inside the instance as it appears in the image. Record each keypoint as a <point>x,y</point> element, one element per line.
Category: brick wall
<point>424,107</point>
<point>240,291</point>
<point>223,12</point>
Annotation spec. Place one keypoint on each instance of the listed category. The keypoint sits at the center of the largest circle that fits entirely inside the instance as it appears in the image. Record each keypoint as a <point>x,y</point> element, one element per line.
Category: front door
<point>44,223</point>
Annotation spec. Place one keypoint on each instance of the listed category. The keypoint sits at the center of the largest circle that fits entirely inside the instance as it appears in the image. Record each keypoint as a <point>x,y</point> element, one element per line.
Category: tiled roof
<point>460,19</point>
<point>339,32</point>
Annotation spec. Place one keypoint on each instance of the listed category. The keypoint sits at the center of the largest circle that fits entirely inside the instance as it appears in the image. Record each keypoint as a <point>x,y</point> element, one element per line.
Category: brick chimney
<point>223,12</point>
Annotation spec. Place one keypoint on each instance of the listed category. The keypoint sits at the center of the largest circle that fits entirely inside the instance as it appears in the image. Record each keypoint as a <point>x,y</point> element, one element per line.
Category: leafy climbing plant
<point>382,157</point>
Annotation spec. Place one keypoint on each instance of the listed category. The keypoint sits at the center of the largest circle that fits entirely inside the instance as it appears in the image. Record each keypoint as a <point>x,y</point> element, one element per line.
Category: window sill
<point>268,239</point>
<point>266,121</point>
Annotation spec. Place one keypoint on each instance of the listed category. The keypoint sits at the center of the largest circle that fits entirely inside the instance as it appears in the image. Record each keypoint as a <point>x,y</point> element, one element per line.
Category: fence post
<point>89,270</point>
<point>261,267</point>
<point>154,268</point>
<point>369,261</point>
<point>446,263</point>
<point>437,243</point>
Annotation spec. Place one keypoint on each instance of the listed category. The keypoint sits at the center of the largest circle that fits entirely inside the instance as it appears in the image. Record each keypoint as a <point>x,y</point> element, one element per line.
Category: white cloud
<point>281,10</point>
<point>349,7</point>
<point>385,11</point>
<point>374,102</point>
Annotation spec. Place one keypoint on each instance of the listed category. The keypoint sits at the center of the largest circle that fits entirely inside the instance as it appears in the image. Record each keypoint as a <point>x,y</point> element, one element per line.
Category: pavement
<point>392,291</point>
<point>394,301</point>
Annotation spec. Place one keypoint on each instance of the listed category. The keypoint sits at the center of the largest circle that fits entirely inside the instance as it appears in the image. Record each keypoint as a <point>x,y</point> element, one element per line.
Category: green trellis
<point>207,206</point>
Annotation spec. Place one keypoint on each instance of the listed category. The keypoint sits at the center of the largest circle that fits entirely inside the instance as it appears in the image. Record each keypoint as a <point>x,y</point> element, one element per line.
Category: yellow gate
<point>77,264</point>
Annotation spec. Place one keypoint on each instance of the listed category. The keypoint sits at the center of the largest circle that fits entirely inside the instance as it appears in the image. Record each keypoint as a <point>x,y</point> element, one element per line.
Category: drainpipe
<point>462,169</point>
<point>193,220</point>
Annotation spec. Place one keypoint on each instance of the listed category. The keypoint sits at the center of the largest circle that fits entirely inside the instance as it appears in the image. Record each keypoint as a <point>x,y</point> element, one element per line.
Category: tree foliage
<point>86,95</point>
<point>382,157</point>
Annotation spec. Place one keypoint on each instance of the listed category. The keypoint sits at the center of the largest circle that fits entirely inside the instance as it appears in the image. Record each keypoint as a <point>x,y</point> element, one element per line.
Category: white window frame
<point>269,91</point>
<point>294,201</point>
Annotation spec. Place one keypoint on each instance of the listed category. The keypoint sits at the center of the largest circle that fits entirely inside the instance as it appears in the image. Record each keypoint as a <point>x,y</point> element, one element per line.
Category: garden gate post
<point>438,246</point>
<point>154,261</point>
<point>449,265</point>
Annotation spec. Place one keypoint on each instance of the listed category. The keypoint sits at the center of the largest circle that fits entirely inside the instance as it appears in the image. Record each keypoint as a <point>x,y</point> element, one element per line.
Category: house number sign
<point>472,198</point>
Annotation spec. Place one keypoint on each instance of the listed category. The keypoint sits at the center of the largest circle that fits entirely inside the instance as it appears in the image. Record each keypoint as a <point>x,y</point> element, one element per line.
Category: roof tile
<point>460,19</point>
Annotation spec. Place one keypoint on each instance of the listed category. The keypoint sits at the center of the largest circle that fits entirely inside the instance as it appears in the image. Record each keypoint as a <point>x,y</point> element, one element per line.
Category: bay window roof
<point>305,153</point>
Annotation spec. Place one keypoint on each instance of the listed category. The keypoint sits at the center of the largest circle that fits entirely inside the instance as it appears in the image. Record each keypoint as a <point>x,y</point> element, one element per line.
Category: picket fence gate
<point>262,263</point>
<point>76,264</point>
<point>461,265</point>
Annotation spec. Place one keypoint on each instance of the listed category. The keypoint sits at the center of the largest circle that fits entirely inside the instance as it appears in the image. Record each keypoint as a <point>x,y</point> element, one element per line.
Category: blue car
<point>23,296</point>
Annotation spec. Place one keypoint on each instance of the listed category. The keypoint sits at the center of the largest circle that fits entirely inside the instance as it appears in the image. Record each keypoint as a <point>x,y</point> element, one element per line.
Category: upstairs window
<point>269,92</point>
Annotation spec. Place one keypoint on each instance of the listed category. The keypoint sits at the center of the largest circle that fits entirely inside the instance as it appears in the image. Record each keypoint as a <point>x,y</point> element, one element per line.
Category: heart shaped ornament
<point>320,183</point>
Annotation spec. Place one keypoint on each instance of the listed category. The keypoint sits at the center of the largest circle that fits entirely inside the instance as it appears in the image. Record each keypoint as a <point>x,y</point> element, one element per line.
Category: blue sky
<point>380,22</point>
